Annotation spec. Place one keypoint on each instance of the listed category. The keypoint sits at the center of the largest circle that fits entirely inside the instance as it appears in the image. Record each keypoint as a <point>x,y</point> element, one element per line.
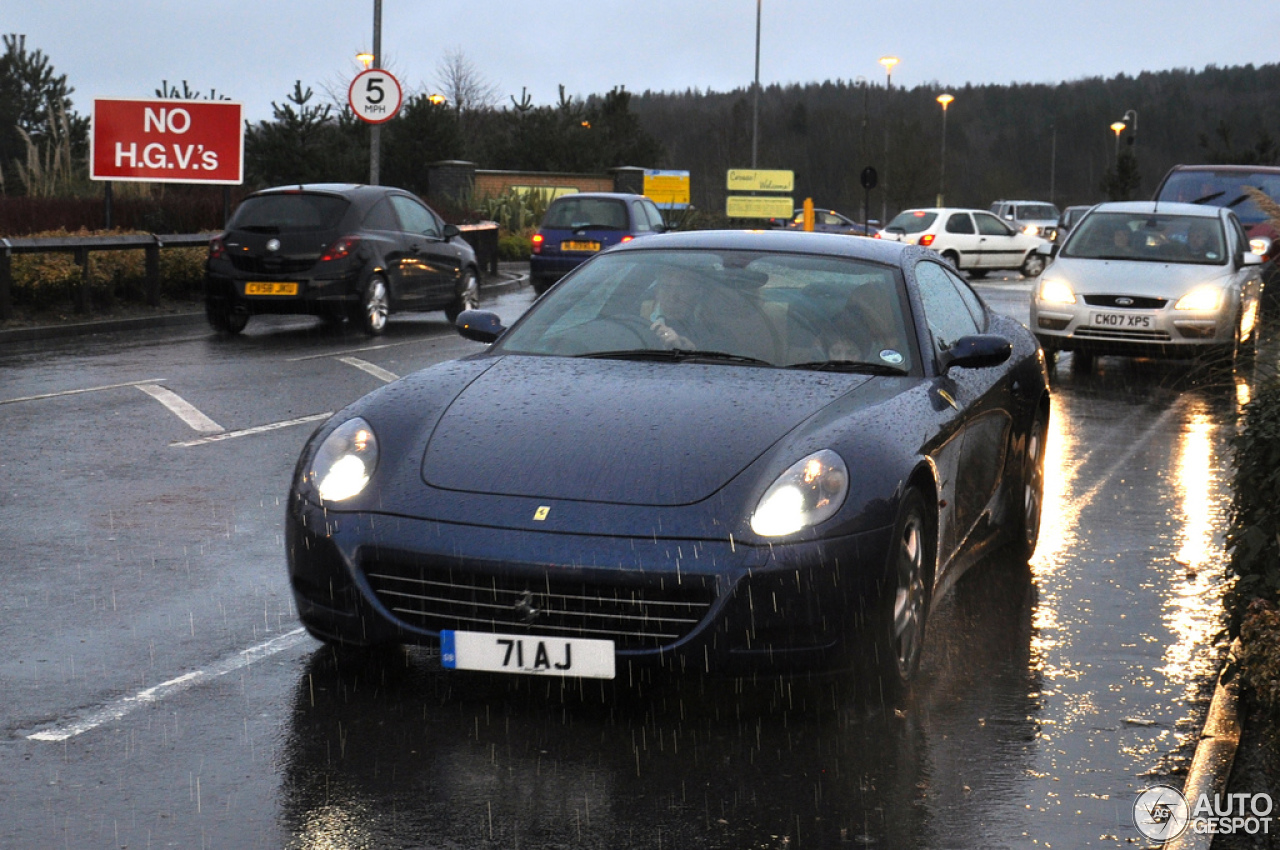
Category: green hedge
<point>50,281</point>
<point>1253,535</point>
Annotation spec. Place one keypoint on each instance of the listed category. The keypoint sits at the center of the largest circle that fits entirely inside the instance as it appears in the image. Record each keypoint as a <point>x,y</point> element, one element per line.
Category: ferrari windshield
<point>737,307</point>
<point>1148,237</point>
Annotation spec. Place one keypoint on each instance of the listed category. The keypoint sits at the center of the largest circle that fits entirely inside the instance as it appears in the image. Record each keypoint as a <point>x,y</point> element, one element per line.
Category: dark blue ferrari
<point>737,452</point>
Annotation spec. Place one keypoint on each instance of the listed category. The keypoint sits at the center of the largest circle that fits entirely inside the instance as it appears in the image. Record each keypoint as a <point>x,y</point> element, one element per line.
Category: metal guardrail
<point>482,237</point>
<point>80,246</point>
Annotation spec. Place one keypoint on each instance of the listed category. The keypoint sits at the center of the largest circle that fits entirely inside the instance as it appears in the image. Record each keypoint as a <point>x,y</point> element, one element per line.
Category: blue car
<point>577,227</point>
<point>714,452</point>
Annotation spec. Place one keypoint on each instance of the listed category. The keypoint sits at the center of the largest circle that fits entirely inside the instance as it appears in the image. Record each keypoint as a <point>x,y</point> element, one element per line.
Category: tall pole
<point>375,130</point>
<point>755,103</point>
<point>945,100</point>
<point>1053,160</point>
<point>888,62</point>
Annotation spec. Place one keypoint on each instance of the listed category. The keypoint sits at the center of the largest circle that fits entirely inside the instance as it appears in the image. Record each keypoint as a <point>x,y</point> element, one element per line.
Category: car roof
<point>349,190</point>
<point>1242,169</point>
<point>621,196</point>
<point>1161,207</point>
<point>793,241</point>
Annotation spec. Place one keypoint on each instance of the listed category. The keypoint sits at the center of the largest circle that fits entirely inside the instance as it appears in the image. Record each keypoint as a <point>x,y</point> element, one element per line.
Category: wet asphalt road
<point>158,691</point>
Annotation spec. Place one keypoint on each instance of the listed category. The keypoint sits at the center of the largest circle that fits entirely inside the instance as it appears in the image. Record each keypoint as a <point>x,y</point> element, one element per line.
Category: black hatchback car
<point>339,251</point>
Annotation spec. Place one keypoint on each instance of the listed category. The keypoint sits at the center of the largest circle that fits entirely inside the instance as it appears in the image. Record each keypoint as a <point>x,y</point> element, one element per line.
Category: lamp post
<point>865,149</point>
<point>1131,117</point>
<point>755,101</point>
<point>888,62</point>
<point>375,130</point>
<point>944,99</point>
<point>1118,128</point>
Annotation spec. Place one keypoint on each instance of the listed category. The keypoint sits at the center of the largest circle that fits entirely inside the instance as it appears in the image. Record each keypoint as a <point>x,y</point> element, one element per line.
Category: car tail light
<point>341,249</point>
<point>876,235</point>
<point>627,238</point>
<point>536,243</point>
<point>217,248</point>
<point>926,240</point>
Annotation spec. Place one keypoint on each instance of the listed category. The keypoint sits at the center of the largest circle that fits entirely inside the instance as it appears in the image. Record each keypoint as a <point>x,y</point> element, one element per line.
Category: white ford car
<point>1150,278</point>
<point>973,240</point>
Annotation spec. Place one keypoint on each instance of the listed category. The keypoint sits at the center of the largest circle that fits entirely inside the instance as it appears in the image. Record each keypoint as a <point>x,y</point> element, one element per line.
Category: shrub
<point>47,281</point>
<point>515,246</point>
<point>1260,653</point>
<point>1253,534</point>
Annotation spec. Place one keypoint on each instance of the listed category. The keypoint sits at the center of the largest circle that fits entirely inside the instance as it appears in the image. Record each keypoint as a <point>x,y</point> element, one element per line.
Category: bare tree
<point>462,84</point>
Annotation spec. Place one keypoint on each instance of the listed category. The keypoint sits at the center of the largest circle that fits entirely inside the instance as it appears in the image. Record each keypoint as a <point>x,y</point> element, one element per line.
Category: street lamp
<point>888,62</point>
<point>365,59</point>
<point>1118,128</point>
<point>945,100</point>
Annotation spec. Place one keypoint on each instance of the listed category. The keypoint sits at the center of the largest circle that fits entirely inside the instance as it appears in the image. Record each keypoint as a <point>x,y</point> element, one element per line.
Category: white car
<point>973,240</point>
<point>1150,278</point>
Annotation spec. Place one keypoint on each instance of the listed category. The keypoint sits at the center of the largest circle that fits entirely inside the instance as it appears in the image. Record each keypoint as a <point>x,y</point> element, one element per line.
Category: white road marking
<point>257,429</point>
<point>77,392</point>
<point>355,350</point>
<point>117,709</point>
<point>365,366</point>
<point>181,408</point>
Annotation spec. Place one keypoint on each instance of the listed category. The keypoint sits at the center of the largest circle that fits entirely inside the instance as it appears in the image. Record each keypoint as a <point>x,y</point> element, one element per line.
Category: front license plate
<point>1120,320</point>
<point>579,246</point>
<point>270,288</point>
<point>529,654</point>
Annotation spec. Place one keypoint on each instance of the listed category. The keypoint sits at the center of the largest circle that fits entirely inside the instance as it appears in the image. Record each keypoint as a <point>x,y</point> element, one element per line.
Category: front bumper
<point>1157,332</point>
<point>695,605</point>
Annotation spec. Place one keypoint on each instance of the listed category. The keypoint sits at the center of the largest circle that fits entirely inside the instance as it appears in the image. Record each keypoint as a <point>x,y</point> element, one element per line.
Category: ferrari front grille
<point>638,615</point>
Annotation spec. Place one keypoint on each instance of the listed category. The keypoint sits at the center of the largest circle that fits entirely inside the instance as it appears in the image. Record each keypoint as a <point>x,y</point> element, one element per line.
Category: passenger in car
<point>867,327</point>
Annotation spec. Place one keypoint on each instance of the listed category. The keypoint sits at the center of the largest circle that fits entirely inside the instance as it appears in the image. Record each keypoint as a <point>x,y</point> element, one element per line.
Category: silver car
<point>1144,278</point>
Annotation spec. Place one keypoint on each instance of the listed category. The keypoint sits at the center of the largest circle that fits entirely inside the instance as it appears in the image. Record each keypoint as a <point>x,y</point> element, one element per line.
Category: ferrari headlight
<point>345,461</point>
<point>1054,291</point>
<point>1204,298</point>
<point>810,491</point>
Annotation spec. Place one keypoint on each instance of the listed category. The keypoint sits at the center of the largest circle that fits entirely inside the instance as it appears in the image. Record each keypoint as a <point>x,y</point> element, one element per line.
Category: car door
<point>999,245</point>
<point>962,238</point>
<point>437,260</point>
<point>978,396</point>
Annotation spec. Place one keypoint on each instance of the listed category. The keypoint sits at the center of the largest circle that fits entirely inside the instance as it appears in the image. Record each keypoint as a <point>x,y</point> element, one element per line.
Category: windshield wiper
<point>676,355</point>
<point>850,366</point>
<point>578,228</point>
<point>1207,198</point>
<point>260,228</point>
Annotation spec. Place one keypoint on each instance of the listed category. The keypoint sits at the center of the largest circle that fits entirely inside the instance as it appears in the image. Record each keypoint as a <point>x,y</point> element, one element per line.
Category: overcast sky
<point>253,50</point>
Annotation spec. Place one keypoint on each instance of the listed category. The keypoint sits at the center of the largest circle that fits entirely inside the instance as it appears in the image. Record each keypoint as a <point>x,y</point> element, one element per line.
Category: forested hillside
<point>1025,141</point>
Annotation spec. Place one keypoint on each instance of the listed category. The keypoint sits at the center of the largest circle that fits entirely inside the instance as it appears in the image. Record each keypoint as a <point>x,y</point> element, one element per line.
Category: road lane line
<point>181,408</point>
<point>117,709</point>
<point>257,429</point>
<point>77,392</point>
<point>354,350</point>
<point>365,366</point>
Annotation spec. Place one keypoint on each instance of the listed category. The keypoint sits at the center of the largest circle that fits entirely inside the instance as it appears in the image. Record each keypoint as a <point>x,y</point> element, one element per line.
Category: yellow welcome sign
<point>761,180</point>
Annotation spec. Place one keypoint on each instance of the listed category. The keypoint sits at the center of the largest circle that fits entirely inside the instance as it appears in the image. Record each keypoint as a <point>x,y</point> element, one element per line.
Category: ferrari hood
<point>617,431</point>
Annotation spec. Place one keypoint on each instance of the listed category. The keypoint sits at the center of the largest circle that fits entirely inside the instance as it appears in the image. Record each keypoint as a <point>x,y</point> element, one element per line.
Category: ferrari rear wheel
<point>898,639</point>
<point>1031,488</point>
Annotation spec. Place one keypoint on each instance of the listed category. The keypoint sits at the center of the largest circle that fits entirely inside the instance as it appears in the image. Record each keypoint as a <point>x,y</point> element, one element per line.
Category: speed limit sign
<point>374,96</point>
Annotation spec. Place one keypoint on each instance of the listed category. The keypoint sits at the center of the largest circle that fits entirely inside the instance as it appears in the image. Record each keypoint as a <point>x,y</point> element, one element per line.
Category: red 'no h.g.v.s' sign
<point>167,141</point>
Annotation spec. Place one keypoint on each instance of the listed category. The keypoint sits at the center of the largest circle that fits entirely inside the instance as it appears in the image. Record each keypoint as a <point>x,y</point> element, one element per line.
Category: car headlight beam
<point>345,461</point>
<point>1055,291</point>
<point>1206,298</point>
<point>811,490</point>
